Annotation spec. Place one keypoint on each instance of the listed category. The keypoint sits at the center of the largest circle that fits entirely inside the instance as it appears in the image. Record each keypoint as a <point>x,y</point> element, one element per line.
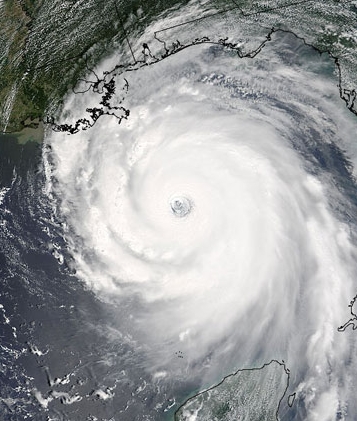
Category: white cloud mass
<point>264,264</point>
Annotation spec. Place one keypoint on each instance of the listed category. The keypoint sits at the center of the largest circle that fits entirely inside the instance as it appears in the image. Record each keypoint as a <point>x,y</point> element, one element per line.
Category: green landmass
<point>249,394</point>
<point>46,46</point>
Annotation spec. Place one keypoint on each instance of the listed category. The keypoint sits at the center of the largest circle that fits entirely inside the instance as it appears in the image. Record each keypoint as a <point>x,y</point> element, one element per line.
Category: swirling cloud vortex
<point>210,207</point>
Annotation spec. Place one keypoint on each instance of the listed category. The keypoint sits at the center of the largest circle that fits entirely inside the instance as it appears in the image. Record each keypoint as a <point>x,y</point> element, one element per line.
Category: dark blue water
<point>44,307</point>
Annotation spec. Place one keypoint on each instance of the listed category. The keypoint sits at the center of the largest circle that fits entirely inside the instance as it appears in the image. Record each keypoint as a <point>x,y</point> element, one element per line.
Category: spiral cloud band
<point>216,209</point>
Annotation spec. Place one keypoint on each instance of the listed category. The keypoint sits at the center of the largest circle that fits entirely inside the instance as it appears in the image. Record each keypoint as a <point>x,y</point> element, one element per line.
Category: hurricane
<point>217,216</point>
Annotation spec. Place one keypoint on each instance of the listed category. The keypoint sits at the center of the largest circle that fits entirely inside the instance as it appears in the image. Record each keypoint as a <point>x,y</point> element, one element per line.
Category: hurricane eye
<point>180,206</point>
